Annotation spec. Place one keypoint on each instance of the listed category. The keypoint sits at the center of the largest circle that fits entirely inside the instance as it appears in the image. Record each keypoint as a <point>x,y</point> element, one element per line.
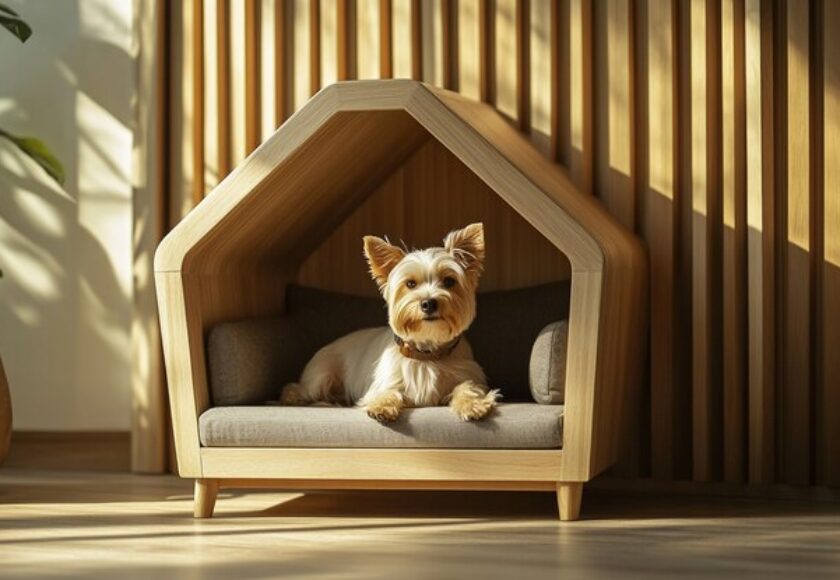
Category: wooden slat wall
<point>710,127</point>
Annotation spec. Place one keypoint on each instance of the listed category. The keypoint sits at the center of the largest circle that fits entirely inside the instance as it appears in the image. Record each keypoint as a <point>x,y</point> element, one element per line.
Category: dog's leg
<point>471,401</point>
<point>320,383</point>
<point>386,407</point>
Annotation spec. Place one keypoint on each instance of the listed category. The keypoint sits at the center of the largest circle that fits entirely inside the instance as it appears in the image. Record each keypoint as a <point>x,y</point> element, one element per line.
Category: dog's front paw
<point>471,403</point>
<point>292,396</point>
<point>385,409</point>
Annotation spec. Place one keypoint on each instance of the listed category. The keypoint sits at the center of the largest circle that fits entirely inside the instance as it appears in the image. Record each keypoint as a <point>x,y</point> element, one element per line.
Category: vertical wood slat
<point>282,73</point>
<point>734,241</point>
<point>238,81</point>
<point>301,54</point>
<point>540,76</point>
<point>252,75</point>
<point>580,92</point>
<point>449,46</point>
<point>706,218</point>
<point>431,18</point>
<point>658,226</point>
<point>416,40</point>
<point>615,85</point>
<point>486,57</point>
<point>506,59</point>
<point>386,68</point>
<point>367,39</point>
<point>314,46</point>
<point>557,83</point>
<point>469,70</point>
<point>182,112</point>
<point>614,160</point>
<point>830,388</point>
<point>343,39</point>
<point>761,259</point>
<point>197,67</point>
<point>223,77</point>
<point>402,30</point>
<point>328,41</point>
<point>267,68</point>
<point>210,103</point>
<point>148,385</point>
<point>795,394</point>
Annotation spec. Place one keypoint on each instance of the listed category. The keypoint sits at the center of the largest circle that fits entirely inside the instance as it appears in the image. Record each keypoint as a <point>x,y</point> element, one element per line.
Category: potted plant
<point>37,151</point>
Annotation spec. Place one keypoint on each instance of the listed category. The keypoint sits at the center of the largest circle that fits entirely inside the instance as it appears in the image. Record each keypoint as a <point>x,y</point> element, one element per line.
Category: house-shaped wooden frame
<point>233,255</point>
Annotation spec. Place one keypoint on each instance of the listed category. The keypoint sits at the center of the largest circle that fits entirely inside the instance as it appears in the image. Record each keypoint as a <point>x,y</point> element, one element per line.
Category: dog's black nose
<point>428,306</point>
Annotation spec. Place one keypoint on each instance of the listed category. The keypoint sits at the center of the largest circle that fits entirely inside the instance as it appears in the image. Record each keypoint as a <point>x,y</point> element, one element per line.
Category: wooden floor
<point>119,526</point>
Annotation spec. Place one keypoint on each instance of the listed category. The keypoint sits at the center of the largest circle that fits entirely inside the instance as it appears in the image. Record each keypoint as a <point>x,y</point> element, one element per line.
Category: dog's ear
<point>381,257</point>
<point>467,245</point>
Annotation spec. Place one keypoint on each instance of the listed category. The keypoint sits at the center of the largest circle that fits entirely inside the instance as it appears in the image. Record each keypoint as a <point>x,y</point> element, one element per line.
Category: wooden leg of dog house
<point>206,491</point>
<point>569,496</point>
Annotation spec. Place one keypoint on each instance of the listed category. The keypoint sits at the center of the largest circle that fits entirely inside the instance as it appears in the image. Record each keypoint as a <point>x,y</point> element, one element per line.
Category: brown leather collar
<point>410,350</point>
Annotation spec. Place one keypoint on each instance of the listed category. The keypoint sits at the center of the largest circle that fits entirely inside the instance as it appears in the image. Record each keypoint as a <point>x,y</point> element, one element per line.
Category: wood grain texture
<point>733,176</point>
<point>149,416</point>
<point>580,92</point>
<point>238,80</point>
<point>658,227</point>
<point>761,251</point>
<point>431,194</point>
<point>253,136</point>
<point>208,272</point>
<point>830,388</point>
<point>795,403</point>
<point>569,496</point>
<point>206,491</point>
<point>707,407</point>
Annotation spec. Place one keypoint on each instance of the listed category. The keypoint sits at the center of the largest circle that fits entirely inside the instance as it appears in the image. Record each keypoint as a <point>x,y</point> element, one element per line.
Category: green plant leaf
<point>40,153</point>
<point>10,20</point>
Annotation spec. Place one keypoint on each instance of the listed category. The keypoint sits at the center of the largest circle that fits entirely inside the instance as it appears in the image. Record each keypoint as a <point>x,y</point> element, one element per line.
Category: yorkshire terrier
<point>423,359</point>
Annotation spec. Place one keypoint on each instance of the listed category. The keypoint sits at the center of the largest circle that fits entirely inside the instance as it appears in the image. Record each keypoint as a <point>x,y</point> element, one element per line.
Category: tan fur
<point>471,401</point>
<point>367,368</point>
<point>385,408</point>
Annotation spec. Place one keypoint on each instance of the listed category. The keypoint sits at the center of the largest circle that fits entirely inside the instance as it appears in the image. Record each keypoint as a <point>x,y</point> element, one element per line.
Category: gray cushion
<point>547,372</point>
<point>511,426</point>
<point>249,361</point>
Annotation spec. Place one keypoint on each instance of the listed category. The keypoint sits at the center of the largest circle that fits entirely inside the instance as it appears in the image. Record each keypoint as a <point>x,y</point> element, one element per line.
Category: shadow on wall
<point>65,299</point>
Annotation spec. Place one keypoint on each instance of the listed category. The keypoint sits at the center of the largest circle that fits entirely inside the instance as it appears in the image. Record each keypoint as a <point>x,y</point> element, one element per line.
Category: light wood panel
<point>580,92</point>
<point>269,81</point>
<point>430,195</point>
<point>795,402</point>
<point>238,80</point>
<point>148,444</point>
<point>506,59</point>
<point>470,66</point>
<point>541,89</point>
<point>829,435</point>
<point>761,258</point>
<point>734,309</point>
<point>705,229</point>
<point>659,200</point>
<point>431,41</point>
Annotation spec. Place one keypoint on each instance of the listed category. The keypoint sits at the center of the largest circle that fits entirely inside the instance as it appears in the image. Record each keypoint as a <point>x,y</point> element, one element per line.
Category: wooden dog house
<point>409,160</point>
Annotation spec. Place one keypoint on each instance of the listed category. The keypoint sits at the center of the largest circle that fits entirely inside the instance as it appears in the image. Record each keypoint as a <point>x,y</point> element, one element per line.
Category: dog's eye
<point>448,282</point>
<point>411,283</point>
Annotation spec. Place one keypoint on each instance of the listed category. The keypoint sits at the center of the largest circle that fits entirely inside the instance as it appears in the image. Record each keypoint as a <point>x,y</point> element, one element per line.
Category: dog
<point>422,357</point>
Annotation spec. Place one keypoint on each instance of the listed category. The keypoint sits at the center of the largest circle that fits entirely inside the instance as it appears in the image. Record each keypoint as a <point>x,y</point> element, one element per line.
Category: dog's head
<point>430,293</point>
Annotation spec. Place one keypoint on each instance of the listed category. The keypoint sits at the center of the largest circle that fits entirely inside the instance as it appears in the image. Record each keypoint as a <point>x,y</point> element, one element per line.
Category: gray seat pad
<point>511,426</point>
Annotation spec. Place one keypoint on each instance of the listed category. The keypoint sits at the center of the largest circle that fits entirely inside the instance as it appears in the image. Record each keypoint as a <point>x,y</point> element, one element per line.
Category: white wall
<point>65,299</point>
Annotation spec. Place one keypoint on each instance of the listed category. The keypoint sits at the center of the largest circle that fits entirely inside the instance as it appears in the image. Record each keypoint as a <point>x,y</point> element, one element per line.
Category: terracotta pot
<point>5,415</point>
